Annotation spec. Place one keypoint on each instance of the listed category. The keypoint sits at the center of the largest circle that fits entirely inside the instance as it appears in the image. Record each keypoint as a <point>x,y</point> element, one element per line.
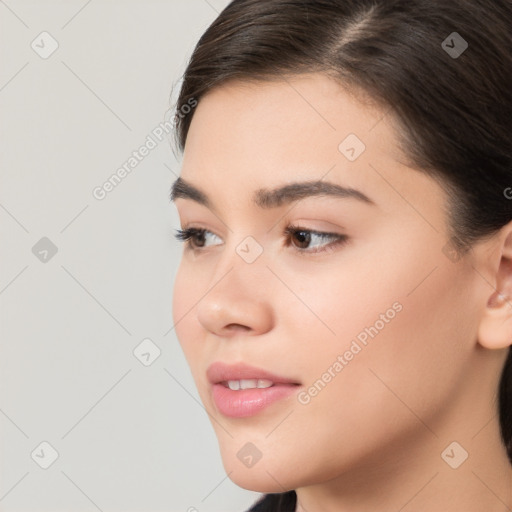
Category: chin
<point>258,480</point>
<point>259,475</point>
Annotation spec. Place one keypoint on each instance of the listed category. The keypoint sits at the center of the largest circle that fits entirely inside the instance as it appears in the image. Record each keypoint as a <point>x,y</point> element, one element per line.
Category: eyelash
<point>186,235</point>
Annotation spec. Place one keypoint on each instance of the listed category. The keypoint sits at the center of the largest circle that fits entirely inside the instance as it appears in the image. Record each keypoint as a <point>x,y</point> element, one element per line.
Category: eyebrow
<point>273,198</point>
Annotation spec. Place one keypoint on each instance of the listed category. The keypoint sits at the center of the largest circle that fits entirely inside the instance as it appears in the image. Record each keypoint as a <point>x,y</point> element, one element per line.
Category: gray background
<point>129,432</point>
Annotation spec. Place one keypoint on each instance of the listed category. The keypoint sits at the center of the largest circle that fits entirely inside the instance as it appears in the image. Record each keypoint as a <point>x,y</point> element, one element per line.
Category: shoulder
<point>281,502</point>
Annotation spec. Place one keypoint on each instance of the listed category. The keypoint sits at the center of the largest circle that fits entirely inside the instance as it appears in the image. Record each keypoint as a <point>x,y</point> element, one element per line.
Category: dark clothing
<point>281,502</point>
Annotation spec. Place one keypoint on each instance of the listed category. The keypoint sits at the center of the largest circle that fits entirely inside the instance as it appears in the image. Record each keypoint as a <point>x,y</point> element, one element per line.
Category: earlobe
<point>495,330</point>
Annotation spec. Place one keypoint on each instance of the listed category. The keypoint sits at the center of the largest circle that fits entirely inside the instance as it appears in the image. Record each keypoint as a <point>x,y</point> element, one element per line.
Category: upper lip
<point>221,372</point>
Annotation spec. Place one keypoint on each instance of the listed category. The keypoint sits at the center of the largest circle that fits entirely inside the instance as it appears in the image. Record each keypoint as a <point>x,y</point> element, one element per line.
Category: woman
<point>343,298</point>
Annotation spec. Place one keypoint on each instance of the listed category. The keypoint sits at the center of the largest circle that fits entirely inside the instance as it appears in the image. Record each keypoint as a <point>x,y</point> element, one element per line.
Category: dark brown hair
<point>453,103</point>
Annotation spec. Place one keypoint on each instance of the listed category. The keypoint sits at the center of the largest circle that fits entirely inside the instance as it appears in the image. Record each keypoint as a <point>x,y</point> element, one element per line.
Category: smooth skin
<point>373,437</point>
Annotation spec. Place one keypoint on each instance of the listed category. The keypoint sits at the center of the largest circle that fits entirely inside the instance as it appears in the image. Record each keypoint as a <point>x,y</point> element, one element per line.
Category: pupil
<point>199,236</point>
<point>304,238</point>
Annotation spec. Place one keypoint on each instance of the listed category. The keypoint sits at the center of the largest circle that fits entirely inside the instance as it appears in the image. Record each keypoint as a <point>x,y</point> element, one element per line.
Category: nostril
<point>237,327</point>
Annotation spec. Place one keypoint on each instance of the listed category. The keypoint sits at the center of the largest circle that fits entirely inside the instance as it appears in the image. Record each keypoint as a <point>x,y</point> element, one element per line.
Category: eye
<point>195,238</point>
<point>306,237</point>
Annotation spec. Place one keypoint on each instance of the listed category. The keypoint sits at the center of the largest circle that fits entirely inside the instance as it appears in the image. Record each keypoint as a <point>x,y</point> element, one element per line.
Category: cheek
<point>403,344</point>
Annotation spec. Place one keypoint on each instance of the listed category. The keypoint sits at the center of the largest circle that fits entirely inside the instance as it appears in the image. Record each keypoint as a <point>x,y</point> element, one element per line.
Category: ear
<point>495,329</point>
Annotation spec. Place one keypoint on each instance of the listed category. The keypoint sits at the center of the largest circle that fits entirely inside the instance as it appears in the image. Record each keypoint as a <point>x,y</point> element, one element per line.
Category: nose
<point>238,300</point>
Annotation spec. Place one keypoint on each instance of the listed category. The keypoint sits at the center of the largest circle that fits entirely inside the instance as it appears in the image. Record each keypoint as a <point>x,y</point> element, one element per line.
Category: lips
<point>219,372</point>
<point>234,392</point>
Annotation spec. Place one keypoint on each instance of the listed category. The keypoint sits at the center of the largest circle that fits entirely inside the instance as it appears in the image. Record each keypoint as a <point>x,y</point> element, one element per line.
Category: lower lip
<point>248,402</point>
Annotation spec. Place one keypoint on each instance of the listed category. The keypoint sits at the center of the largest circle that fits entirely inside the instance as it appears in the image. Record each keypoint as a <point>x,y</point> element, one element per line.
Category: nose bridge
<point>250,250</point>
<point>243,263</point>
<point>238,293</point>
<point>244,249</point>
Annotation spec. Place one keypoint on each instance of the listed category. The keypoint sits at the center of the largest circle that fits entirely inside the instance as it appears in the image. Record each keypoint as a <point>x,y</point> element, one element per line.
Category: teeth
<point>236,385</point>
<point>264,383</point>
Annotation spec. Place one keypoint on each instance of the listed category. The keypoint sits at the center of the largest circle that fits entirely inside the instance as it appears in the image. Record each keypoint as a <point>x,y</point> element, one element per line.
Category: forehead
<point>246,136</point>
<point>302,118</point>
<point>286,113</point>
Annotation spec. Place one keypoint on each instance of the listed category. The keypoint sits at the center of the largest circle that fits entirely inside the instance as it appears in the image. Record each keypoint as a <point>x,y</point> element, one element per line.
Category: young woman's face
<point>375,323</point>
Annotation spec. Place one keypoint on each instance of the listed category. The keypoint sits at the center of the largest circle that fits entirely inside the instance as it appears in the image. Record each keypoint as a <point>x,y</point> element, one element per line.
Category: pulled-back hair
<point>453,103</point>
